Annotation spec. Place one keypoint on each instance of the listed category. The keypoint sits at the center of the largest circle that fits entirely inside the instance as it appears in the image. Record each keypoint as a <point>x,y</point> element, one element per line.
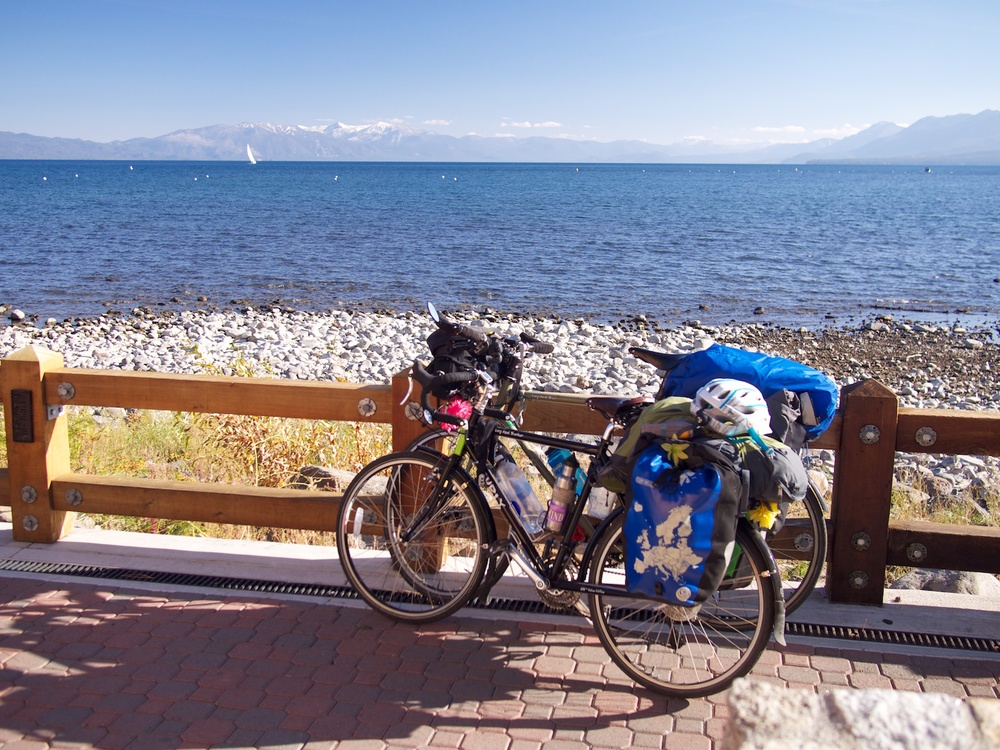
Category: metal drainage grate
<point>179,579</point>
<point>837,632</point>
<point>893,637</point>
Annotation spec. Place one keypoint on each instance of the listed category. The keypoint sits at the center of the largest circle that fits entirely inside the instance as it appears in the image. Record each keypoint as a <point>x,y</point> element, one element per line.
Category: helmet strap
<point>755,436</point>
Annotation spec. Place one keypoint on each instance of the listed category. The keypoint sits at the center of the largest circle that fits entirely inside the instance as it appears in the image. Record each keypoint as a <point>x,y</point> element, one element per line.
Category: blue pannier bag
<point>768,373</point>
<point>680,528</point>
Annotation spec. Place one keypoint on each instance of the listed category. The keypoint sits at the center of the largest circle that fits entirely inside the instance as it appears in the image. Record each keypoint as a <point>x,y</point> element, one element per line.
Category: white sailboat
<point>250,155</point>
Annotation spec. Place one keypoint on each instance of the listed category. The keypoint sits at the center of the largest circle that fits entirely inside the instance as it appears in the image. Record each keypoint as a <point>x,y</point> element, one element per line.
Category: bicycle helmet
<point>732,407</point>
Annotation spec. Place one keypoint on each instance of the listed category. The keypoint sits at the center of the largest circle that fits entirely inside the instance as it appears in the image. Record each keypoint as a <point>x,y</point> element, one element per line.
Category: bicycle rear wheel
<point>417,574</point>
<point>799,548</point>
<point>685,653</point>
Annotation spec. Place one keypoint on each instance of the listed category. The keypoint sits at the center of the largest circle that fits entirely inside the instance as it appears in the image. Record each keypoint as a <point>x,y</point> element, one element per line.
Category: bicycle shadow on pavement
<point>104,665</point>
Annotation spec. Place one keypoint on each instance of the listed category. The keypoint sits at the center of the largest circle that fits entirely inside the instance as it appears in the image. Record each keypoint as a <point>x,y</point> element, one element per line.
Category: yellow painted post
<point>37,445</point>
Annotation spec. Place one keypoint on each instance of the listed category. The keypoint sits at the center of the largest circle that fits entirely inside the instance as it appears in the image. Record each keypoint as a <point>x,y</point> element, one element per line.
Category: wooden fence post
<point>37,445</point>
<point>406,426</point>
<point>406,422</point>
<point>862,493</point>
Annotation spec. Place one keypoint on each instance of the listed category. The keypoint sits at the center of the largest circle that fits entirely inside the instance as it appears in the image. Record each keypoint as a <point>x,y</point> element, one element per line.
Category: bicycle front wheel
<point>414,546</point>
<point>684,652</point>
<point>436,439</point>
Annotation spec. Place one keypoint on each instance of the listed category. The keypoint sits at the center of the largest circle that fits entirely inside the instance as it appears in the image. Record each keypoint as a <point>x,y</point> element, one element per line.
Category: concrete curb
<point>766,717</point>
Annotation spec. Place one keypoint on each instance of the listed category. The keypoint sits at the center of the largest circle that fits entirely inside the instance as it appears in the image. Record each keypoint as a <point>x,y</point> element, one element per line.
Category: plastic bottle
<point>563,493</point>
<point>526,503</point>
<point>600,503</point>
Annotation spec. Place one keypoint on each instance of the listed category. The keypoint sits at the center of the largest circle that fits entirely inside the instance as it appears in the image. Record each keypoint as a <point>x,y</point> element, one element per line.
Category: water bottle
<point>563,493</point>
<point>516,489</point>
<point>556,457</point>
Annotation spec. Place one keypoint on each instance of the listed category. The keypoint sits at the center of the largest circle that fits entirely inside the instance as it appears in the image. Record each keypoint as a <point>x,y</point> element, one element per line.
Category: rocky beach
<point>927,366</point>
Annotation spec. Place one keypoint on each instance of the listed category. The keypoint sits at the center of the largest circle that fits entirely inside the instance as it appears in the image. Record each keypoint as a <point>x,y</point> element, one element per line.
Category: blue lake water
<point>811,245</point>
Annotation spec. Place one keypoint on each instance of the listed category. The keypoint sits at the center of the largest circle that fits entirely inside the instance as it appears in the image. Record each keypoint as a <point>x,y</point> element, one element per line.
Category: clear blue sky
<point>661,71</point>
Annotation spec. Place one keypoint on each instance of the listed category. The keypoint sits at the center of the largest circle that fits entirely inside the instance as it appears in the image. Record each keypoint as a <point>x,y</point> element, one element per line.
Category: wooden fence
<point>44,494</point>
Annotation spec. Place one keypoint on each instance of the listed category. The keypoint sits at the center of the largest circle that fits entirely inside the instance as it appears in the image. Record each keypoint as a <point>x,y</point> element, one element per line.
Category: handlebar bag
<point>451,354</point>
<point>768,373</point>
<point>680,528</point>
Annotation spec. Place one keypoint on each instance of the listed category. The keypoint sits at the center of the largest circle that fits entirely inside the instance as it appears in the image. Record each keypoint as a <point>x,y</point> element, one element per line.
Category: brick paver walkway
<point>102,666</point>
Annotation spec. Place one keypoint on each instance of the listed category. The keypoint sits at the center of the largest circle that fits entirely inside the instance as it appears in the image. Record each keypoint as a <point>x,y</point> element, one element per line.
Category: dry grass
<point>217,448</point>
<point>269,451</point>
<point>914,500</point>
<point>255,451</point>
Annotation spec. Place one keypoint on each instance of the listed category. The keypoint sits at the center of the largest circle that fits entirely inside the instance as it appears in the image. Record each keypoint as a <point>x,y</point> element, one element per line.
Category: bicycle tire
<point>800,551</point>
<point>683,658</point>
<point>432,575</point>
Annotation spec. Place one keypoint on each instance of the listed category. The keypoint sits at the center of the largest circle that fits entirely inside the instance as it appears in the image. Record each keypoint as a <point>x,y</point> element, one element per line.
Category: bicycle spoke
<point>437,568</point>
<point>684,652</point>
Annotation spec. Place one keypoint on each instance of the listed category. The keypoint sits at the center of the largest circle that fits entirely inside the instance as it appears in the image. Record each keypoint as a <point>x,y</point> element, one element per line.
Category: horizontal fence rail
<point>44,494</point>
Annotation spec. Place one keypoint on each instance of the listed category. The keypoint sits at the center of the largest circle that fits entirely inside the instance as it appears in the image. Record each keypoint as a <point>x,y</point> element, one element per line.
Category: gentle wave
<point>808,245</point>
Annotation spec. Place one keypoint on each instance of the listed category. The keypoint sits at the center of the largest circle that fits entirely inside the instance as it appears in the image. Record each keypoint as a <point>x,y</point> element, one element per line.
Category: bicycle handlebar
<point>536,346</point>
<point>473,334</point>
<point>429,382</point>
<point>496,356</point>
<point>479,336</point>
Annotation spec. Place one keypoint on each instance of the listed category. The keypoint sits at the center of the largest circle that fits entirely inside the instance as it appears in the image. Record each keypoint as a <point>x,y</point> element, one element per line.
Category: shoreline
<point>928,367</point>
<point>696,315</point>
<point>911,357</point>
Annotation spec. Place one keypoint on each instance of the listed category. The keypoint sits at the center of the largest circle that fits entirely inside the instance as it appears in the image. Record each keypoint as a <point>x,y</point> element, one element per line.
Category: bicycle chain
<point>557,599</point>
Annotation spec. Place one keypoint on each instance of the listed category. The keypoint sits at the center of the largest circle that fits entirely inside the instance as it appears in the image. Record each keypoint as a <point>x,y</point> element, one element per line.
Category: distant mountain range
<point>953,140</point>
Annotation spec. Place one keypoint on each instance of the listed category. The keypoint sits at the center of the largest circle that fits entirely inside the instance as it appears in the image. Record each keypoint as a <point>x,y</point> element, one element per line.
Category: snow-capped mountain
<point>957,139</point>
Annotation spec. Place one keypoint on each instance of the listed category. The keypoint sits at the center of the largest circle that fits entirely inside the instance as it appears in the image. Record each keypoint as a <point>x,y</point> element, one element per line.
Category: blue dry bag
<point>680,528</point>
<point>768,373</point>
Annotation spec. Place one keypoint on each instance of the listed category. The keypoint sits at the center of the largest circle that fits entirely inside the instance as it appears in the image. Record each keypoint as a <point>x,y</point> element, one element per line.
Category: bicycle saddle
<point>611,406</point>
<point>660,360</point>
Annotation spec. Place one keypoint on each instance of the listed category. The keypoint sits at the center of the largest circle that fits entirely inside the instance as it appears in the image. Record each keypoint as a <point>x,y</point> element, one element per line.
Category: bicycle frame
<point>544,570</point>
<point>444,524</point>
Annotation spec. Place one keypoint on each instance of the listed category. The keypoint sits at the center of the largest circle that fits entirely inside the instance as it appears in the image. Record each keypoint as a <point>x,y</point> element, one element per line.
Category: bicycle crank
<point>561,598</point>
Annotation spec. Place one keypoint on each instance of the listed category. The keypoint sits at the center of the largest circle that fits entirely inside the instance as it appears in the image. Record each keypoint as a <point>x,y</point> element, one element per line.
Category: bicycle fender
<point>775,578</point>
